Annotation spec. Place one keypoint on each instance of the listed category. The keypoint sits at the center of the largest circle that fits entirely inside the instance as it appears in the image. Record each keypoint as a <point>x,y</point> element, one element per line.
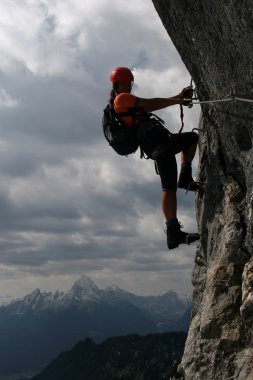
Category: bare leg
<point>185,180</point>
<point>188,154</point>
<point>169,204</point>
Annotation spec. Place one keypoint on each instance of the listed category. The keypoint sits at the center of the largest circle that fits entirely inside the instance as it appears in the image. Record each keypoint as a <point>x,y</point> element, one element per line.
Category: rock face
<point>214,39</point>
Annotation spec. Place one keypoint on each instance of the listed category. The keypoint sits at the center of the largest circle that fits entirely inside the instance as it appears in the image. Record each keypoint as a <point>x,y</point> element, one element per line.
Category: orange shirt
<point>122,103</point>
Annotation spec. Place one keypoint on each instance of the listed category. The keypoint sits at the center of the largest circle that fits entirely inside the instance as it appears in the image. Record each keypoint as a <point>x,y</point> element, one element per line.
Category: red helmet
<point>121,75</point>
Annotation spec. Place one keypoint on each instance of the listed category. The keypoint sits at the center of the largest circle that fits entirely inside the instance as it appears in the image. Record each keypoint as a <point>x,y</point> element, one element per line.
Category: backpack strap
<point>134,112</point>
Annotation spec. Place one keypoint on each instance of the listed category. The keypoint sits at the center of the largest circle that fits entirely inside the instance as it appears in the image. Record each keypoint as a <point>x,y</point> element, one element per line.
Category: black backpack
<point>122,138</point>
<point>150,134</point>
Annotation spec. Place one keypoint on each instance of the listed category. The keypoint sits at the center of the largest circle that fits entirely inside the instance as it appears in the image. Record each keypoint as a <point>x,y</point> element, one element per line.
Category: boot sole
<point>190,238</point>
<point>190,186</point>
<point>173,246</point>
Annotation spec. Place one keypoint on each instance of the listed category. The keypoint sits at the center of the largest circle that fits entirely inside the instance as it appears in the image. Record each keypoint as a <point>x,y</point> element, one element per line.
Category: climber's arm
<point>154,104</point>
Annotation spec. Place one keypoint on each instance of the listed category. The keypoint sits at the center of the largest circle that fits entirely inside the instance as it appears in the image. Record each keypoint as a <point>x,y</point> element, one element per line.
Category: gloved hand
<point>186,94</point>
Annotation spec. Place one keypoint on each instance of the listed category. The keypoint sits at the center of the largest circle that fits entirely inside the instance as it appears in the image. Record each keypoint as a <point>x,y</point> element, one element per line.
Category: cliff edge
<point>214,39</point>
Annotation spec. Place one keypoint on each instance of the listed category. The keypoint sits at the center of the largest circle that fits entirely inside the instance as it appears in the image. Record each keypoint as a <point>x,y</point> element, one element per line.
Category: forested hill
<point>151,357</point>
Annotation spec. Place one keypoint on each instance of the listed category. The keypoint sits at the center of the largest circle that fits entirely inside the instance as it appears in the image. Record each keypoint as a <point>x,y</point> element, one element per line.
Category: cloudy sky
<point>69,204</point>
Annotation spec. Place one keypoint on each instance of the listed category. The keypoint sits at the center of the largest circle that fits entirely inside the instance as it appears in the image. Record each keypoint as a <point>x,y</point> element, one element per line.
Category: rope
<point>230,98</point>
<point>212,101</point>
<point>182,118</point>
<point>234,98</point>
<point>191,103</point>
<point>244,100</point>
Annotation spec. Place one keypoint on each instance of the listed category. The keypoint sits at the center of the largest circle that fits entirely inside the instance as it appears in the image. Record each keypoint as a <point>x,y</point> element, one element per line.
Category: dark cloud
<point>68,203</point>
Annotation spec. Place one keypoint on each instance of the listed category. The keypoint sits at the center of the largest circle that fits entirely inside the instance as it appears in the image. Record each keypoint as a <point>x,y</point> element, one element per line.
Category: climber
<point>161,146</point>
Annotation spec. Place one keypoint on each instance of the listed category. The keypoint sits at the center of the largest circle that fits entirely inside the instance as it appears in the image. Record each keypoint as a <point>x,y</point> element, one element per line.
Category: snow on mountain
<point>82,292</point>
<point>85,290</point>
<point>169,302</point>
<point>85,293</point>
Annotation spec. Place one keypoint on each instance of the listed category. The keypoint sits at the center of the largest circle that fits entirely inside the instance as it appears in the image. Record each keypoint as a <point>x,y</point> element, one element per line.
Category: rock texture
<point>214,39</point>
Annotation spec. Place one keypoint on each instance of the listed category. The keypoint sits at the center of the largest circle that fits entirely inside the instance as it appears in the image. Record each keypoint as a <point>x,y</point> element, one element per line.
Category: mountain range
<point>39,326</point>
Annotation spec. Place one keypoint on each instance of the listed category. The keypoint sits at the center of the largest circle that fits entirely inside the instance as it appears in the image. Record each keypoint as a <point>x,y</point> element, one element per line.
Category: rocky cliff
<point>214,39</point>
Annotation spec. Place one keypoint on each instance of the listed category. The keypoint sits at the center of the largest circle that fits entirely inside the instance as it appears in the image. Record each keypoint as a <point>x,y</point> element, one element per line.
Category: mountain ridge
<point>45,324</point>
<point>84,290</point>
<point>151,357</point>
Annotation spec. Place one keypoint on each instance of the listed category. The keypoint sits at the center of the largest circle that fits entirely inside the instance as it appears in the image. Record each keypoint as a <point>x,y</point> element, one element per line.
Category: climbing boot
<point>175,236</point>
<point>185,180</point>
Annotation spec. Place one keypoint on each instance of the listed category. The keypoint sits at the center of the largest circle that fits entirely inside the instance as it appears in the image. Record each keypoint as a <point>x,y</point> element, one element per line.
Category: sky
<point>69,204</point>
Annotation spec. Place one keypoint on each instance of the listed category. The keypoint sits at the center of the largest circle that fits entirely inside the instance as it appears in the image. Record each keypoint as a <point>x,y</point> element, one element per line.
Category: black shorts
<point>166,162</point>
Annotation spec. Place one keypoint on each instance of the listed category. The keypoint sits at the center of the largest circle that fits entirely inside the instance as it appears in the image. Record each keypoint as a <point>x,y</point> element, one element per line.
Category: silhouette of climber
<point>161,146</point>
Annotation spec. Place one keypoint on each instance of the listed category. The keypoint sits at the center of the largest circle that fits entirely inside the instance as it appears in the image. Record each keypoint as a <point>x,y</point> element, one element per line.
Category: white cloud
<point>167,82</point>
<point>41,37</point>
<point>60,37</point>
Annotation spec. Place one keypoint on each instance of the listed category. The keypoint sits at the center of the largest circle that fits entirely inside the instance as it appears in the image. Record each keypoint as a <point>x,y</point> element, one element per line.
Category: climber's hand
<point>186,95</point>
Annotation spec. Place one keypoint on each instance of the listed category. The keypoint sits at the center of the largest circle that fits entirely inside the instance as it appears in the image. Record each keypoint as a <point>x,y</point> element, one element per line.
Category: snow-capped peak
<point>85,295</point>
<point>85,289</point>
<point>84,282</point>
